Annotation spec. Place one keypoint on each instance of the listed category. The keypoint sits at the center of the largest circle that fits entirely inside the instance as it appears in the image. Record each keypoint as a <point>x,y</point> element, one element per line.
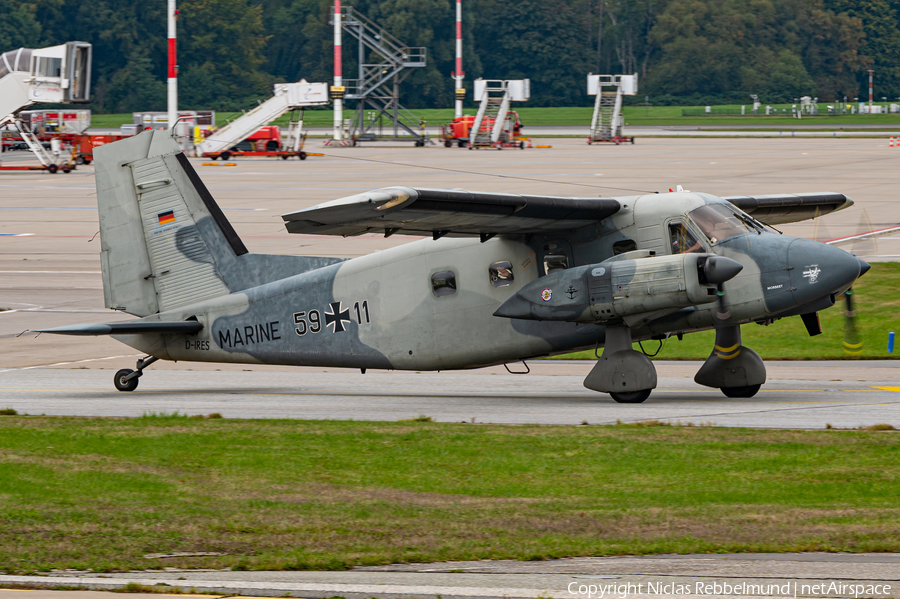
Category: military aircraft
<point>498,277</point>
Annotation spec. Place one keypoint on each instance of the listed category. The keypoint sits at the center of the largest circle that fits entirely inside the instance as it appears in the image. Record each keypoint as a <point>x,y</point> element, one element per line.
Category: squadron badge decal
<point>812,273</point>
<point>546,295</point>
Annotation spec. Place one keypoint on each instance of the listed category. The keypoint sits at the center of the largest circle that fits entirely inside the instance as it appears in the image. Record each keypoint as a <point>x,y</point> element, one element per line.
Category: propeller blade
<point>853,345</point>
<point>722,312</point>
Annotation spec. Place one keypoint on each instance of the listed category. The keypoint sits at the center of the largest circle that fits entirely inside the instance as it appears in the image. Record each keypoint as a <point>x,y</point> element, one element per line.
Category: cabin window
<point>501,274</point>
<point>443,283</point>
<point>681,240</point>
<point>48,67</point>
<point>626,245</point>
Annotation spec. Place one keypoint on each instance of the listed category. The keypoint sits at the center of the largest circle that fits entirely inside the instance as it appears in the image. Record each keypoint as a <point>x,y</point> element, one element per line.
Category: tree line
<point>230,52</point>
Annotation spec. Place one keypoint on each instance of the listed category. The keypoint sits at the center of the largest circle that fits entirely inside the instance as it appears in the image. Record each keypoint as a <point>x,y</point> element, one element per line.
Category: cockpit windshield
<point>719,223</point>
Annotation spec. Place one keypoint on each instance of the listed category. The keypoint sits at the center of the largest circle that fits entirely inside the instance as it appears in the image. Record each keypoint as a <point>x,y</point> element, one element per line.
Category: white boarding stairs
<point>607,120</point>
<point>59,75</point>
<point>286,97</point>
<point>494,98</point>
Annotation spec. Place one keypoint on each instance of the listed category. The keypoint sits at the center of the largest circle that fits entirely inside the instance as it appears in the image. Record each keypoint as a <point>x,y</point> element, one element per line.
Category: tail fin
<point>160,229</point>
<point>165,243</point>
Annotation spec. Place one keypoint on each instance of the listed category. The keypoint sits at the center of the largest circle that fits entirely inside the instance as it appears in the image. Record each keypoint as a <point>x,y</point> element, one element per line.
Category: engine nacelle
<point>625,288</point>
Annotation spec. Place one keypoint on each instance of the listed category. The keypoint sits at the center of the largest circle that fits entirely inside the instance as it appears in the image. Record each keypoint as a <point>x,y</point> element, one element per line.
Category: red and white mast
<point>458,75</point>
<point>173,69</point>
<point>871,74</point>
<point>337,93</point>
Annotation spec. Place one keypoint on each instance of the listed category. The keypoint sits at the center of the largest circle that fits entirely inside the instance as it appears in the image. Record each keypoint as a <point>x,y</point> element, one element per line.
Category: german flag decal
<point>166,217</point>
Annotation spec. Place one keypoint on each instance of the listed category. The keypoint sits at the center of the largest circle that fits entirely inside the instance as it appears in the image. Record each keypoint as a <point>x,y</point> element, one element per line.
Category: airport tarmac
<point>621,577</point>
<point>817,394</point>
<point>49,269</point>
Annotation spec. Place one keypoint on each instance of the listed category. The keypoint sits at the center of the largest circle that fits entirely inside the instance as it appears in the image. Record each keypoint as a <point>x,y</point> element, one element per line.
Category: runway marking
<point>51,272</point>
<point>896,389</point>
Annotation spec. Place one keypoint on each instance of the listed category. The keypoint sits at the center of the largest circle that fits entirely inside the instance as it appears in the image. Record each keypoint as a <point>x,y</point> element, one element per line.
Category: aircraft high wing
<point>442,212</point>
<point>459,213</point>
<point>789,208</point>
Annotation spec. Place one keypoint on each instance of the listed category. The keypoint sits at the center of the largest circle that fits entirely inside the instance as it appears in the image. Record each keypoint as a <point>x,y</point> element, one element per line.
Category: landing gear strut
<point>127,379</point>
<point>627,375</point>
<point>737,370</point>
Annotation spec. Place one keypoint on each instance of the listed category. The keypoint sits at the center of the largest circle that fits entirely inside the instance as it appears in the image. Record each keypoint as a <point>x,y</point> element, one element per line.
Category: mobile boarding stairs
<point>58,75</point>
<point>607,120</point>
<point>493,127</point>
<point>287,97</point>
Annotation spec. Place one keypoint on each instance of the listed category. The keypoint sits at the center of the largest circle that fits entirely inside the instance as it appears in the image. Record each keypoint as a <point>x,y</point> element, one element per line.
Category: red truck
<point>459,128</point>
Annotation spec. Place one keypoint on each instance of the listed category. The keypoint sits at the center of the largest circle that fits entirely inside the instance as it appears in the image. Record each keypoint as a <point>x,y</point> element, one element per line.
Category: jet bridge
<point>58,74</point>
<point>286,98</point>
<point>607,120</point>
<point>490,127</point>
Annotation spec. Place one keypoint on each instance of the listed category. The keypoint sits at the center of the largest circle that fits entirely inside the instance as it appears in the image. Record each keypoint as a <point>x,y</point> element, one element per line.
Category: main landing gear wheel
<point>122,384</point>
<point>748,391</point>
<point>633,397</point>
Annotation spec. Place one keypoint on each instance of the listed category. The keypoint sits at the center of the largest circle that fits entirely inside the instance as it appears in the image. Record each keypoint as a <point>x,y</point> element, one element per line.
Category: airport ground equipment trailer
<point>607,120</point>
<point>458,131</point>
<point>58,75</point>
<point>287,97</point>
<point>495,126</point>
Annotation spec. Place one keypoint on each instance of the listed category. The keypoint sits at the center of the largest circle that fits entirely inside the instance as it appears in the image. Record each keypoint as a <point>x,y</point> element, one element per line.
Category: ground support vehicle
<point>261,138</point>
<point>607,120</point>
<point>57,75</point>
<point>458,132</point>
<point>495,126</point>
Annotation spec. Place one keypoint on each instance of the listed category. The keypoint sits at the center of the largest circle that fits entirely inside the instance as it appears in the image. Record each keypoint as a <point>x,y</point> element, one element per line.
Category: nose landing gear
<point>127,379</point>
<point>737,370</point>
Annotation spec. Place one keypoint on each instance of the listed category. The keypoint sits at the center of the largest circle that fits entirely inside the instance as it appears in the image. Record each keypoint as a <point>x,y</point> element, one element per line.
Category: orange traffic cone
<point>891,145</point>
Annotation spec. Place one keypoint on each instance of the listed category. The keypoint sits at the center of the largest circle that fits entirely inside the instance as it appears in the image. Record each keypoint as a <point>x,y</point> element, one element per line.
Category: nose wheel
<point>127,379</point>
<point>635,397</point>
<point>744,392</point>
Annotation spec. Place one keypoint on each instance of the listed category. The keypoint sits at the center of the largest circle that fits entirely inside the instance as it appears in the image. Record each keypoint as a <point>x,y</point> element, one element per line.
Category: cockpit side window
<point>681,240</point>
<point>719,223</point>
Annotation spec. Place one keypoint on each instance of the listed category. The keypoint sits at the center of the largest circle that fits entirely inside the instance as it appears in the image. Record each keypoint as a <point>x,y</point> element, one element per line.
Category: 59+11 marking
<point>335,316</point>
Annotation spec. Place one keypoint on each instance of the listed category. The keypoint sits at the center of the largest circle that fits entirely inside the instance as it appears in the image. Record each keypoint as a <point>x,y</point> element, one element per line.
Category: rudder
<point>159,235</point>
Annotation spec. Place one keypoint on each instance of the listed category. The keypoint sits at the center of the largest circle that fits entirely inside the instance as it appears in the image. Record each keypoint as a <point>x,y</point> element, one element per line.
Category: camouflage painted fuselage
<point>379,311</point>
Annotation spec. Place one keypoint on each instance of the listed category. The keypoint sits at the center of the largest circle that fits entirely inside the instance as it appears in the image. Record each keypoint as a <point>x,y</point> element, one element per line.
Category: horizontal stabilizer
<point>440,212</point>
<point>127,328</point>
<point>790,207</point>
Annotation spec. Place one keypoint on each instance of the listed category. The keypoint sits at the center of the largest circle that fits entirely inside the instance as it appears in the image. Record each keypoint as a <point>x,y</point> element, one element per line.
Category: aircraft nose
<point>863,267</point>
<point>819,270</point>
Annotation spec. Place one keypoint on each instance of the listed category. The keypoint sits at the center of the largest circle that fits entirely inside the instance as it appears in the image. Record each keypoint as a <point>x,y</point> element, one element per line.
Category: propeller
<point>862,242</point>
<point>852,343</point>
<point>718,270</point>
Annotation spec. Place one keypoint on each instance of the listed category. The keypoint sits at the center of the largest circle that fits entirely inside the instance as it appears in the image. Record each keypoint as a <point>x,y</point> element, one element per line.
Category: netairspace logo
<point>790,589</point>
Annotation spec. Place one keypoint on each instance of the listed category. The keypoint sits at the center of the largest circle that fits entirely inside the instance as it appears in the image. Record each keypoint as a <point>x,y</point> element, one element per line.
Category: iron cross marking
<point>337,317</point>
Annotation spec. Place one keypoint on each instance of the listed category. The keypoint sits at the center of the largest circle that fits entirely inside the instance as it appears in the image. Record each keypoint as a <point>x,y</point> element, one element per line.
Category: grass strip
<point>569,115</point>
<point>108,494</point>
